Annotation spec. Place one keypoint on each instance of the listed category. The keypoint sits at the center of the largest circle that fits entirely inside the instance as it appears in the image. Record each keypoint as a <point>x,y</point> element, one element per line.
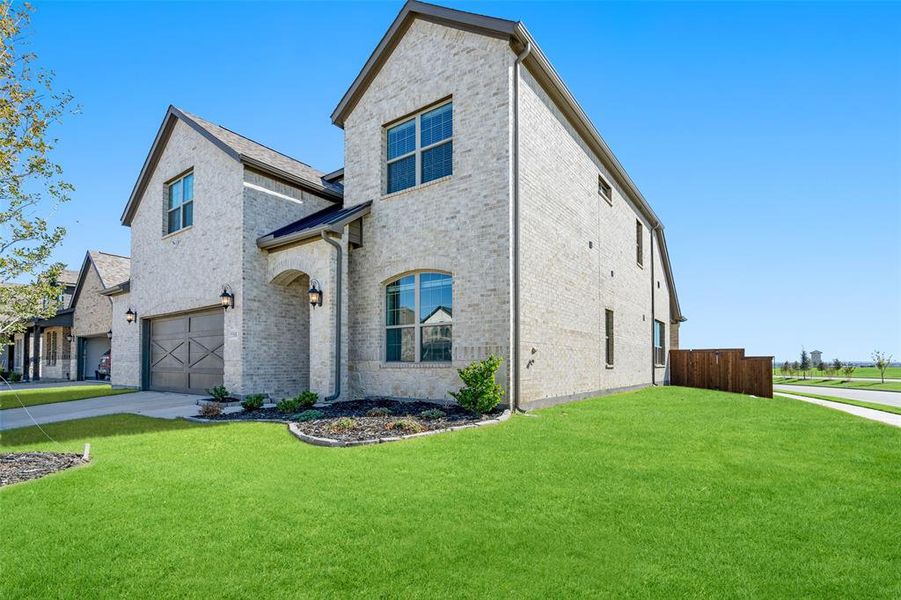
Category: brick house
<point>478,211</point>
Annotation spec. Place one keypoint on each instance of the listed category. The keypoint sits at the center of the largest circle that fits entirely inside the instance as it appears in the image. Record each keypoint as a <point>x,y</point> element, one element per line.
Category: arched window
<point>419,318</point>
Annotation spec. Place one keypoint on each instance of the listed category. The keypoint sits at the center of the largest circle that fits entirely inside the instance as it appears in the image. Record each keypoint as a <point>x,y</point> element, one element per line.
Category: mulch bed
<point>367,427</point>
<point>23,466</point>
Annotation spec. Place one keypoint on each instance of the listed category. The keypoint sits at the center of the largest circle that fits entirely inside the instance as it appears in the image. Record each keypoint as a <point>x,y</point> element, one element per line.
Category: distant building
<point>816,357</point>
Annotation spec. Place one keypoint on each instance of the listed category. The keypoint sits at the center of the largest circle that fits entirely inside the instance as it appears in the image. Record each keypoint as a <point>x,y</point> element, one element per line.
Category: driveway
<point>151,404</point>
<point>876,396</point>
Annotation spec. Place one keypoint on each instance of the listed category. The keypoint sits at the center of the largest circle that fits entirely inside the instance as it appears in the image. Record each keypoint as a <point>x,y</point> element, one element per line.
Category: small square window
<point>605,190</point>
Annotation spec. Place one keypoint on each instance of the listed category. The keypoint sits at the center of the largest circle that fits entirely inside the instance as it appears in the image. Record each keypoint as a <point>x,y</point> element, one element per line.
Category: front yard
<point>31,397</point>
<point>666,492</point>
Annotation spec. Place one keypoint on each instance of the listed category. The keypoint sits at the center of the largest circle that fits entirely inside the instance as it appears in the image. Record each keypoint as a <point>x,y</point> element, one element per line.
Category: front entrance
<point>186,352</point>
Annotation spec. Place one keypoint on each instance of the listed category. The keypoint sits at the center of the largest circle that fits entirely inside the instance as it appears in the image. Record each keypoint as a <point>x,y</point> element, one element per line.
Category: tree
<point>882,362</point>
<point>837,366</point>
<point>796,367</point>
<point>822,368</point>
<point>31,184</point>
<point>849,371</point>
<point>805,362</point>
<point>785,369</point>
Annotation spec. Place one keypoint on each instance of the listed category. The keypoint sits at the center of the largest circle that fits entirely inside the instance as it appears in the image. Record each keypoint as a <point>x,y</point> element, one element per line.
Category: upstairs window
<point>420,149</point>
<point>639,243</point>
<point>604,190</point>
<point>659,345</point>
<point>180,212</point>
<point>419,318</point>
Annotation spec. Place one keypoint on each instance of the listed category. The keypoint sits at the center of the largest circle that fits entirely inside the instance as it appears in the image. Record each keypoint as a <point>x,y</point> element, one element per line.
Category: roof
<point>112,269</point>
<point>327,219</point>
<point>67,277</point>
<point>251,154</point>
<point>540,67</point>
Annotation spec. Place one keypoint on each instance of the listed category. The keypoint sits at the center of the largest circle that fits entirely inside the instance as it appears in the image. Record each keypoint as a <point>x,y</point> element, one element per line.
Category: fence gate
<point>728,370</point>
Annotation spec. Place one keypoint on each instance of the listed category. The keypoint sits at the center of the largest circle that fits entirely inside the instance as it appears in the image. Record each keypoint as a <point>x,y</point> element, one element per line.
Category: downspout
<point>514,351</point>
<point>338,301</point>
<point>653,314</point>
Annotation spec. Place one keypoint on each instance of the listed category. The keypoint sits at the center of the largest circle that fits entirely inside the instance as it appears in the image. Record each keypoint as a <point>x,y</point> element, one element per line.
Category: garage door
<point>91,353</point>
<point>186,352</point>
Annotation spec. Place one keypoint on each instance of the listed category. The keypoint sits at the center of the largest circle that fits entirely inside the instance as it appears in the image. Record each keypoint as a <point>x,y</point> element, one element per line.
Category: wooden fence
<point>728,370</point>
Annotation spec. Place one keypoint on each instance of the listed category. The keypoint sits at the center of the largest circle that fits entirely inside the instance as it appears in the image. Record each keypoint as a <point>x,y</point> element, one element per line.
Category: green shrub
<point>405,425</point>
<point>309,415</point>
<point>219,393</point>
<point>378,411</point>
<point>307,399</point>
<point>433,413</point>
<point>15,377</point>
<point>253,402</point>
<point>210,409</point>
<point>480,392</point>
<point>343,424</point>
<point>288,405</point>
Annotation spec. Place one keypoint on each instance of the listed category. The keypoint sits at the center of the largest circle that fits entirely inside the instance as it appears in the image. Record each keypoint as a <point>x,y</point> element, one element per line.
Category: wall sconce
<point>227,298</point>
<point>315,293</point>
<point>69,338</point>
<point>130,315</point>
<point>109,334</point>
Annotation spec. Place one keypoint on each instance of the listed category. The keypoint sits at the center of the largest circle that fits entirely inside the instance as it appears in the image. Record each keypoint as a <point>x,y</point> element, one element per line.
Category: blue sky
<point>767,136</point>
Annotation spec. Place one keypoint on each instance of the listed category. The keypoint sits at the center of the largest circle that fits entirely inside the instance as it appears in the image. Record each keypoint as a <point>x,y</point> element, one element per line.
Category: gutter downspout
<point>514,354</point>
<point>653,314</point>
<point>338,301</point>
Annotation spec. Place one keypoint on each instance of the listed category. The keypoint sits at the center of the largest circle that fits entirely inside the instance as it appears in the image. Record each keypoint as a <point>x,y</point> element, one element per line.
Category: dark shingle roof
<point>113,269</point>
<point>326,216</point>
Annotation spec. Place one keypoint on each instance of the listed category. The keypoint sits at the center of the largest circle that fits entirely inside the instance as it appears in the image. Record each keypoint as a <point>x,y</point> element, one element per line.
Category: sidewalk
<point>858,411</point>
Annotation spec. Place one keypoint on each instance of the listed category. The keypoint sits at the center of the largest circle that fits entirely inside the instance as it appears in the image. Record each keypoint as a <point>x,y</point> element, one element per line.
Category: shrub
<point>210,409</point>
<point>433,413</point>
<point>309,415</point>
<point>15,377</point>
<point>378,411</point>
<point>253,402</point>
<point>343,424</point>
<point>307,399</point>
<point>480,392</point>
<point>219,393</point>
<point>288,405</point>
<point>405,425</point>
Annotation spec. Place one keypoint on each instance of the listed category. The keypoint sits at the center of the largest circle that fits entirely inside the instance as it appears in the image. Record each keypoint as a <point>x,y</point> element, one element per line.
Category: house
<point>816,358</point>
<point>69,345</point>
<point>478,212</point>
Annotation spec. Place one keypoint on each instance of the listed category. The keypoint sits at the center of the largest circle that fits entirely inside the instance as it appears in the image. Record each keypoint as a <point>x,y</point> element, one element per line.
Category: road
<point>875,396</point>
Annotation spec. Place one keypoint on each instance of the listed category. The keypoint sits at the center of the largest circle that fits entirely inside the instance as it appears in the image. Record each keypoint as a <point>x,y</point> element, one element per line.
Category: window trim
<point>639,243</point>
<point>609,338</point>
<point>662,346</point>
<point>604,185</point>
<point>417,325</point>
<point>181,207</point>
<point>418,150</point>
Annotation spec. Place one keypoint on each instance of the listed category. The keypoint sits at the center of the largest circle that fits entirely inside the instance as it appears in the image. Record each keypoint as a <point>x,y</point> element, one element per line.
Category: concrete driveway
<point>876,396</point>
<point>151,404</point>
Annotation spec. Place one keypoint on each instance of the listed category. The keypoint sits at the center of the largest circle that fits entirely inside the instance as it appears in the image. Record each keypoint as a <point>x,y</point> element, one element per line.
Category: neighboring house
<point>478,212</point>
<point>816,358</point>
<point>69,345</point>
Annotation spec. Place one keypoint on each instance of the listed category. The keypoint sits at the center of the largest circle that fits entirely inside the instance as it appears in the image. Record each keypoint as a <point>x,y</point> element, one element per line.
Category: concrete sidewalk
<point>858,411</point>
<point>163,405</point>
<point>874,396</point>
<point>48,384</point>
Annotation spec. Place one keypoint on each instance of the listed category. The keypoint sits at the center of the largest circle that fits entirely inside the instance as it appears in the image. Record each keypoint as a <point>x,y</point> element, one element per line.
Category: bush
<point>480,392</point>
<point>433,413</point>
<point>405,425</point>
<point>309,415</point>
<point>210,409</point>
<point>379,411</point>
<point>15,377</point>
<point>343,424</point>
<point>307,399</point>
<point>288,405</point>
<point>253,402</point>
<point>219,393</point>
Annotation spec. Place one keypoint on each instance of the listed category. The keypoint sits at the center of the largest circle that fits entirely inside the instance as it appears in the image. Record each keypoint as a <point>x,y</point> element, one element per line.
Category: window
<point>419,318</point>
<point>180,213</point>
<point>608,336</point>
<point>605,190</point>
<point>639,243</point>
<point>51,339</point>
<point>659,345</point>
<point>415,159</point>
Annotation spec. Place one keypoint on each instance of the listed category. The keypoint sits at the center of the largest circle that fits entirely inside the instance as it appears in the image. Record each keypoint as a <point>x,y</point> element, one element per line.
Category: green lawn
<point>883,407</point>
<point>664,493</point>
<point>873,372</point>
<point>888,386</point>
<point>30,397</point>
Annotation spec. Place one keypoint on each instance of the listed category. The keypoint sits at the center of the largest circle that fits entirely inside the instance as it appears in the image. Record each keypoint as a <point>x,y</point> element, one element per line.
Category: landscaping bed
<point>24,466</point>
<point>371,419</point>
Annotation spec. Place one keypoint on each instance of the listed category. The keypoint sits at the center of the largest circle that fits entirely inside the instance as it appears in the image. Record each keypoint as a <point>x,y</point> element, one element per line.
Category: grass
<point>665,492</point>
<point>31,397</point>
<point>871,372</point>
<point>883,407</point>
<point>888,386</point>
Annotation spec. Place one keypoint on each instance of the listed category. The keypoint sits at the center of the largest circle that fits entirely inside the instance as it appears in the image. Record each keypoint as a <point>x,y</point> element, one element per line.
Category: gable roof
<point>112,270</point>
<point>67,277</point>
<point>540,67</point>
<point>251,154</point>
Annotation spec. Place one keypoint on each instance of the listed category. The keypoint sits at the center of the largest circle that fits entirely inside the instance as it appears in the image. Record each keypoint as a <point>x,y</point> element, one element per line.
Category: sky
<point>766,136</point>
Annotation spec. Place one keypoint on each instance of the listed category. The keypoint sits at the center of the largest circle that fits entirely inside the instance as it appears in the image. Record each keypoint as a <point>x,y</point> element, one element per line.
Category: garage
<point>92,350</point>
<point>186,352</point>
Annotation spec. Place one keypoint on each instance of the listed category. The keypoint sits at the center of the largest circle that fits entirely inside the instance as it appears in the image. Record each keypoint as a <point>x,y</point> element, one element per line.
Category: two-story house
<point>478,212</point>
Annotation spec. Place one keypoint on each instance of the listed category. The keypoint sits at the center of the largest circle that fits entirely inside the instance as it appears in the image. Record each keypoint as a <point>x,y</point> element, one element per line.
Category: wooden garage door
<point>186,352</point>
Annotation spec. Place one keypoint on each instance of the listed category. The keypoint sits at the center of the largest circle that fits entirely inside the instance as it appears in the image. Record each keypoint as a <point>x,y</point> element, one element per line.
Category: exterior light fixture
<point>315,293</point>
<point>130,315</point>
<point>69,338</point>
<point>227,299</point>
<point>109,334</point>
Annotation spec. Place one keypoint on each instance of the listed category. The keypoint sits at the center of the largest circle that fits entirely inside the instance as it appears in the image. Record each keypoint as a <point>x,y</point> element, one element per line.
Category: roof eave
<point>121,288</point>
<point>270,243</point>
<point>319,190</point>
